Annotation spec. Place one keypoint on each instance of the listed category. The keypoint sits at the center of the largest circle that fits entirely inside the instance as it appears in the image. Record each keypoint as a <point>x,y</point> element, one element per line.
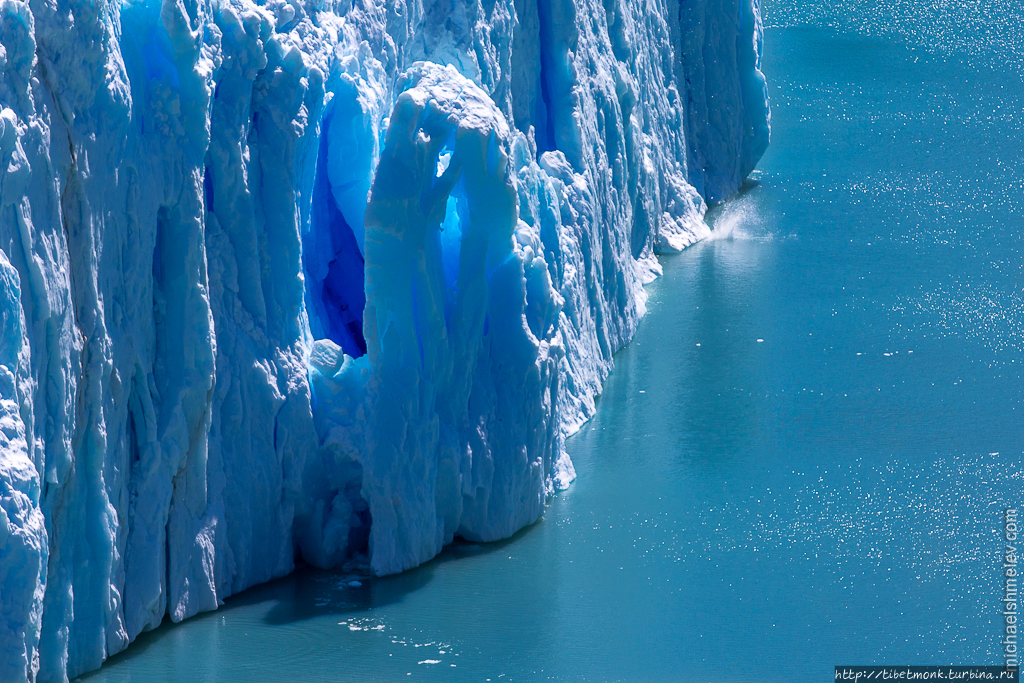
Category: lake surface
<point>802,460</point>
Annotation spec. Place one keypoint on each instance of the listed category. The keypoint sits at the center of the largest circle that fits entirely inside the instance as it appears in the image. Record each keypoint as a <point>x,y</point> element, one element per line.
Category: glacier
<point>320,280</point>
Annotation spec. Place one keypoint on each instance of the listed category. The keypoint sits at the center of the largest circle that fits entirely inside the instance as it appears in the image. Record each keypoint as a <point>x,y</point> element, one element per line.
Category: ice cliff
<point>330,281</point>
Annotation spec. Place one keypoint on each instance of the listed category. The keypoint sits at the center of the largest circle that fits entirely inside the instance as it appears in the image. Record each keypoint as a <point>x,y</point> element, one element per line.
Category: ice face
<point>320,279</point>
<point>23,540</point>
<point>724,148</point>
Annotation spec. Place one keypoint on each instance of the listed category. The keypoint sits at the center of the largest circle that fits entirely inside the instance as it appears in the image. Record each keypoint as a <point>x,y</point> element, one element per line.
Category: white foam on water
<point>741,218</point>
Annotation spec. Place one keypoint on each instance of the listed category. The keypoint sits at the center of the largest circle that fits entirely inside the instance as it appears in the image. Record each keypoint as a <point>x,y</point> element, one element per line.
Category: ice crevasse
<point>317,280</point>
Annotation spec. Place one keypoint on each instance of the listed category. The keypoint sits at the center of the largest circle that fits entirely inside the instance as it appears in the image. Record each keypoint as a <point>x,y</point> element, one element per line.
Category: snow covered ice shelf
<point>318,280</point>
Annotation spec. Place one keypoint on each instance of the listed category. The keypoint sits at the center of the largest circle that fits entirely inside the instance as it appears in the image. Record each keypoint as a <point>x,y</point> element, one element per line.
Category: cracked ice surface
<point>320,280</point>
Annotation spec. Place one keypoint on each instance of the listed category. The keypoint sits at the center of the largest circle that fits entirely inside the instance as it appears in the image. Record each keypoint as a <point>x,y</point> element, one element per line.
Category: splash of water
<point>740,218</point>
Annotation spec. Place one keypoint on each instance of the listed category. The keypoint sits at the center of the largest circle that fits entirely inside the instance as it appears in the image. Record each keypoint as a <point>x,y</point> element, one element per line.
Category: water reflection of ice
<point>740,229</point>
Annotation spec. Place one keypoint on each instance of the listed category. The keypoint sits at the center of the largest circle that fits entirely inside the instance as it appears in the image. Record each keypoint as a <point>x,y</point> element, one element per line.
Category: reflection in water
<point>312,621</point>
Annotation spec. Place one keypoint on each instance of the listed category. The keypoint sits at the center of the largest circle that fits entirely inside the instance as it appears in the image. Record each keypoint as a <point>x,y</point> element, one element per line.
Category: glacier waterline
<point>194,192</point>
<point>806,504</point>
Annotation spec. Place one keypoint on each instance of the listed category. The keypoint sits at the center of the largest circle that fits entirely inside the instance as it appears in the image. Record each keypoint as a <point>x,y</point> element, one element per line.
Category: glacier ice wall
<point>329,281</point>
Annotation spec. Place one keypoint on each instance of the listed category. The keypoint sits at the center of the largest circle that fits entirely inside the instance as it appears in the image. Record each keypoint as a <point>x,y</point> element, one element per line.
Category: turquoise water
<point>801,461</point>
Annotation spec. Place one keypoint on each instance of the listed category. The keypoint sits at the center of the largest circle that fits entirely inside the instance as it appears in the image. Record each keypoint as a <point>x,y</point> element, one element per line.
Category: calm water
<point>801,461</point>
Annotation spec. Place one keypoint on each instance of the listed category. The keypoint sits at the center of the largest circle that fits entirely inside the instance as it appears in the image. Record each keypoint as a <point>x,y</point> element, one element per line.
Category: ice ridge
<point>322,280</point>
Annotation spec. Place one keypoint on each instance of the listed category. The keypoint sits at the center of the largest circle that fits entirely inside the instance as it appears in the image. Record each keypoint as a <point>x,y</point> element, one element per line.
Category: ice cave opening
<point>450,231</point>
<point>334,260</point>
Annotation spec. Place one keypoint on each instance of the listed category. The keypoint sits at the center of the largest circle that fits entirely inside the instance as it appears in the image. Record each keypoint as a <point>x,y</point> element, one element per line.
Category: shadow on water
<point>309,593</point>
